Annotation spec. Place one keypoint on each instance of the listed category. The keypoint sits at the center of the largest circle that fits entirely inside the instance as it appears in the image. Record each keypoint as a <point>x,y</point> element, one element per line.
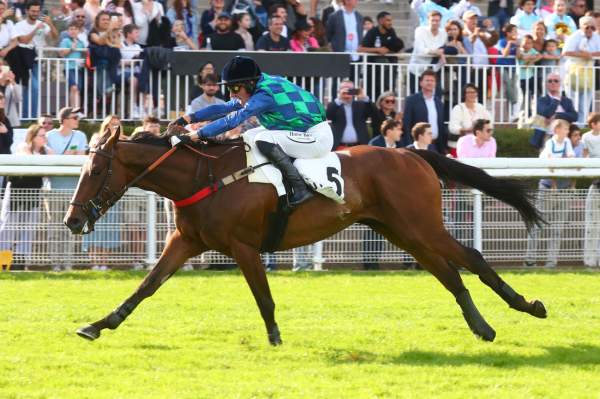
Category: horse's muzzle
<point>75,224</point>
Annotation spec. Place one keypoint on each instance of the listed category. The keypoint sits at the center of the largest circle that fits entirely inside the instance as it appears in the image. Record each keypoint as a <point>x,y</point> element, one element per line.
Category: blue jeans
<point>35,94</point>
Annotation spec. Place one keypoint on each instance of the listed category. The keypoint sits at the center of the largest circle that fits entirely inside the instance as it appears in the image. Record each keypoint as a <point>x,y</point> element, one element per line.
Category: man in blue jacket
<point>426,106</point>
<point>554,105</point>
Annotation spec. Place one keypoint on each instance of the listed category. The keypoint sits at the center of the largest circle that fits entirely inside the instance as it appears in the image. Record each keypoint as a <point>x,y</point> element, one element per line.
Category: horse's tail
<point>510,191</point>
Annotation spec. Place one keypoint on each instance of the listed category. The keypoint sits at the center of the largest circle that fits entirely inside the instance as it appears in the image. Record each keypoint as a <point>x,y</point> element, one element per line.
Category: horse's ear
<point>112,137</point>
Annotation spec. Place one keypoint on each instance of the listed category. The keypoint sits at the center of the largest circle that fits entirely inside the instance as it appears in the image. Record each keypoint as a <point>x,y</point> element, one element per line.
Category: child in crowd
<point>551,54</point>
<point>527,56</point>
<point>591,148</point>
<point>575,138</point>
<point>74,49</point>
<point>558,146</point>
<point>507,47</point>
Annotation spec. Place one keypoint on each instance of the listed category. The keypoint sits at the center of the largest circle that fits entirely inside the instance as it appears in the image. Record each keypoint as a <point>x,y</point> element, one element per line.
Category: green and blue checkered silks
<point>297,109</point>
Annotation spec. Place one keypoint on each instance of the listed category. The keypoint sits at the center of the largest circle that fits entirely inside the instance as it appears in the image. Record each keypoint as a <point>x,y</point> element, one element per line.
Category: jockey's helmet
<point>240,69</point>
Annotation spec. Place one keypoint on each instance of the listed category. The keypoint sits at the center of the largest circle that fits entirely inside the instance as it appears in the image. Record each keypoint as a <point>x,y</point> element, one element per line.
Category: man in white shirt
<point>427,49</point>
<point>579,49</point>
<point>67,141</point>
<point>144,12</point>
<point>31,34</point>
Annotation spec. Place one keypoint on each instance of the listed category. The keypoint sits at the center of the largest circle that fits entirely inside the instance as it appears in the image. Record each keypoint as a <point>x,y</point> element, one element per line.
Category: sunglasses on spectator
<point>553,81</point>
<point>590,27</point>
<point>389,101</point>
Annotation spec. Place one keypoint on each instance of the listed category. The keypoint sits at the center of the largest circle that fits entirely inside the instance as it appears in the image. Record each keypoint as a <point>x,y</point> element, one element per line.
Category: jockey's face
<point>239,91</point>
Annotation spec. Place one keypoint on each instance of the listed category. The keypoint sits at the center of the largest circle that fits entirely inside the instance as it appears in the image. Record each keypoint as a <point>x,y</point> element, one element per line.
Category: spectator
<point>577,10</point>
<point>78,17</point>
<point>319,32</point>
<point>333,7</point>
<point>539,35</point>
<point>308,257</point>
<point>559,24</point>
<point>554,105</point>
<point>391,131</point>
<point>182,10</point>
<point>223,38</point>
<point>480,143</point>
<point>130,51</point>
<point>242,23</point>
<point>348,116</point>
<point>66,141</point>
<point>455,39</point>
<point>554,211</point>
<point>575,139</point>
<point>426,106</point>
<point>31,34</point>
<point>182,40</point>
<point>476,44</point>
<point>422,137</point>
<point>423,9</point>
<point>525,17</point>
<point>208,19</point>
<point>344,29</point>
<point>6,130</point>
<point>7,40</point>
<point>385,110</point>
<point>74,50</point>
<point>591,149</point>
<point>25,211</point>
<point>273,40</point>
<point>122,7</point>
<point>45,121</point>
<point>500,11</point>
<point>550,56</point>
<point>92,8</point>
<point>105,54</point>
<point>507,47</point>
<point>368,24</point>
<point>144,12</point>
<point>208,97</point>
<point>464,115</point>
<point>13,97</point>
<point>527,56</point>
<point>205,69</point>
<point>428,51</point>
<point>302,40</point>
<point>579,49</point>
<point>151,124</point>
<point>382,40</point>
<point>280,10</point>
<point>454,76</point>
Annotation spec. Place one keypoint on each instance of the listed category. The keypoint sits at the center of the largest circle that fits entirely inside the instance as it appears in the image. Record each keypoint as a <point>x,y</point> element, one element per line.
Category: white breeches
<point>316,142</point>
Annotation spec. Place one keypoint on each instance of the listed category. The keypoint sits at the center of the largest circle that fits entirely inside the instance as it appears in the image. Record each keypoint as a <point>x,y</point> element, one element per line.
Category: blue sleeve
<point>258,103</point>
<point>216,111</point>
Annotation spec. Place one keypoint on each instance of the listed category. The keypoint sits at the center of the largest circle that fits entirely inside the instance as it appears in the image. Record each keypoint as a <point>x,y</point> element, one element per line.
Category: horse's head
<point>100,184</point>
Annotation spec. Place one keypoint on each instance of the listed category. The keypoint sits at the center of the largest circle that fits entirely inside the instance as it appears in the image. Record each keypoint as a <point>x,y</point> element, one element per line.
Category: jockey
<point>292,120</point>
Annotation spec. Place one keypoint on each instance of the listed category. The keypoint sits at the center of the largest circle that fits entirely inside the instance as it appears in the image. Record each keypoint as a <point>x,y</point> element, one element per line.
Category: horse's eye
<point>95,172</point>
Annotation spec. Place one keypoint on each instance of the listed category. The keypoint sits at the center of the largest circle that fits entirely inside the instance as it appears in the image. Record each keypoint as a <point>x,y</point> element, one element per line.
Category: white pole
<point>151,228</point>
<point>477,220</point>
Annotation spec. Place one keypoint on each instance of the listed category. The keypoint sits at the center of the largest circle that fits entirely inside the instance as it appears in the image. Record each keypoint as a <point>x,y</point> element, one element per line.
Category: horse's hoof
<point>275,337</point>
<point>487,335</point>
<point>538,309</point>
<point>89,332</point>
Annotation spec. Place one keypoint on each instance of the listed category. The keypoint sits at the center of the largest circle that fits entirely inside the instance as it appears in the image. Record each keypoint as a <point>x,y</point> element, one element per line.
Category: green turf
<point>346,335</point>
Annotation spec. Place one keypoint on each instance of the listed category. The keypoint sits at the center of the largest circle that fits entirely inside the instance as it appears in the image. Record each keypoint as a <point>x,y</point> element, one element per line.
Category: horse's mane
<point>164,140</point>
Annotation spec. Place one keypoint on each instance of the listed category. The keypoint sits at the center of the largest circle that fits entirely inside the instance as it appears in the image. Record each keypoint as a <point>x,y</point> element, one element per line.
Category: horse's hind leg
<point>248,259</point>
<point>472,260</point>
<point>176,252</point>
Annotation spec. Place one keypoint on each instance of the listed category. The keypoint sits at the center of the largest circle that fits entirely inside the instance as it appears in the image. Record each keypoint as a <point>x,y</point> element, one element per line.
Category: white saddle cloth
<point>324,175</point>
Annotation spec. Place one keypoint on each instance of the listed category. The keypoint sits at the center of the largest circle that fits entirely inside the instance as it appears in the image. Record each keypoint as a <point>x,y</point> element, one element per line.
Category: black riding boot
<point>282,161</point>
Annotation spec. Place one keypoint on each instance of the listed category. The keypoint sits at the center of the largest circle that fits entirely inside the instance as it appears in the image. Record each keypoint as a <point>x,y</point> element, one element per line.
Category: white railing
<point>169,94</point>
<point>133,232</point>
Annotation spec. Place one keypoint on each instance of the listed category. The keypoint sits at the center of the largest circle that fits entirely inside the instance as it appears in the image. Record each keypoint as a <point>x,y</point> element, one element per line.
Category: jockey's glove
<point>180,121</point>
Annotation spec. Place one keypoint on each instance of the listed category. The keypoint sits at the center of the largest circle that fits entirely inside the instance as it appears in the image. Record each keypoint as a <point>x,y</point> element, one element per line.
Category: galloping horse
<point>394,191</point>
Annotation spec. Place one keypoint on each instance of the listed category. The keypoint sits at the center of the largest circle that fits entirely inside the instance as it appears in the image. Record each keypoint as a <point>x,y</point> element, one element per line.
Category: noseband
<point>93,208</point>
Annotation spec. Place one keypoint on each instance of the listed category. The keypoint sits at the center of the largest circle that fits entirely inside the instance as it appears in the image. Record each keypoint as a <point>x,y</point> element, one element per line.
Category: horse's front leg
<point>248,259</point>
<point>176,252</point>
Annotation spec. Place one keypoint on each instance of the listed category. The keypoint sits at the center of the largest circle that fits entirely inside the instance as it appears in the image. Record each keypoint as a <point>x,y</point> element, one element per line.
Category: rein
<point>93,208</point>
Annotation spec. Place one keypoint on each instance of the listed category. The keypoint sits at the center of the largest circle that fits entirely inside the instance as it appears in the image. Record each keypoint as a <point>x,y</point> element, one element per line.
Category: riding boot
<point>282,161</point>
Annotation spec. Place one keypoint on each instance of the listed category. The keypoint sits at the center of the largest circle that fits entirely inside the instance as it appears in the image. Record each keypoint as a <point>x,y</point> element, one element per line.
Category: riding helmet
<point>240,69</point>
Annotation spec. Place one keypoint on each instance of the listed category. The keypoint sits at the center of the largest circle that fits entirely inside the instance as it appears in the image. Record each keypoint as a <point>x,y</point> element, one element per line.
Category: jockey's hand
<point>181,121</point>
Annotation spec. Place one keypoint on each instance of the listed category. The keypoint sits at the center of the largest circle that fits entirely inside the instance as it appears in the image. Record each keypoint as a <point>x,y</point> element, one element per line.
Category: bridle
<point>95,208</point>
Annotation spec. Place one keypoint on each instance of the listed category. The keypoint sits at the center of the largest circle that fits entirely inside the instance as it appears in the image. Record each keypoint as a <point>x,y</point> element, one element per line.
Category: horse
<point>396,192</point>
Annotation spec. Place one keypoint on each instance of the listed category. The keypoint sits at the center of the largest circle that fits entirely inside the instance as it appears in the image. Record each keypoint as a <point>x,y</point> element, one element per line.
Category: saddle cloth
<point>323,175</point>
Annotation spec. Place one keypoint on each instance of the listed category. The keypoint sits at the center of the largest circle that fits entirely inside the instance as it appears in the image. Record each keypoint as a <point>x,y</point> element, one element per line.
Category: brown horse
<point>395,192</point>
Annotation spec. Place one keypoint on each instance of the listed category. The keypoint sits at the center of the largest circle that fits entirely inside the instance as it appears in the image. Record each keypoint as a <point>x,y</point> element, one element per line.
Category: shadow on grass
<point>575,355</point>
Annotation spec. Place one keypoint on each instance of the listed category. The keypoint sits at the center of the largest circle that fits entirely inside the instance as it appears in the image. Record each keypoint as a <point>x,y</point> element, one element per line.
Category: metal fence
<point>508,98</point>
<point>134,232</point>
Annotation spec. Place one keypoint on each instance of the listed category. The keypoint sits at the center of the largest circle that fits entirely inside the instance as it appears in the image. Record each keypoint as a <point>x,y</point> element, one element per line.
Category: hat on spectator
<point>66,113</point>
<point>469,14</point>
<point>224,14</point>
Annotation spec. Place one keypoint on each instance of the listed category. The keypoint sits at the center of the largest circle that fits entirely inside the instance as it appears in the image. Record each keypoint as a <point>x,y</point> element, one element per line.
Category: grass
<point>346,335</point>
